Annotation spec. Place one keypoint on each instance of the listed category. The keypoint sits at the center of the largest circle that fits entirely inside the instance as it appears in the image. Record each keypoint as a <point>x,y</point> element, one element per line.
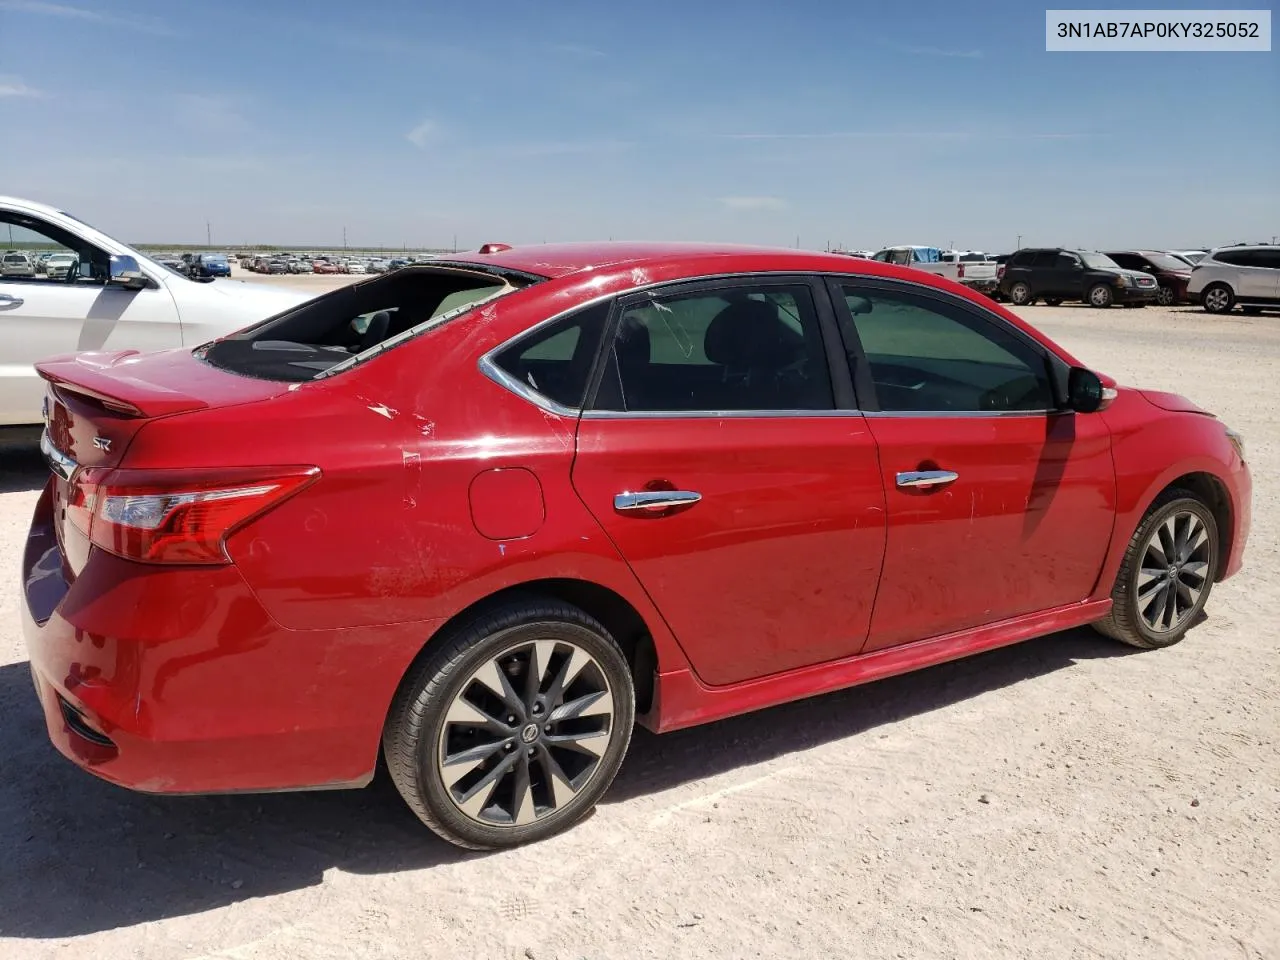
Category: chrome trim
<point>916,479</point>
<point>977,414</point>
<point>711,414</point>
<point>521,389</point>
<point>59,462</point>
<point>655,499</point>
<point>1109,394</point>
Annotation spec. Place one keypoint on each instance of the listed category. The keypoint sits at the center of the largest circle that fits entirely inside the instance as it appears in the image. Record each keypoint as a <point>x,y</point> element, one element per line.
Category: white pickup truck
<point>969,267</point>
<point>107,297</point>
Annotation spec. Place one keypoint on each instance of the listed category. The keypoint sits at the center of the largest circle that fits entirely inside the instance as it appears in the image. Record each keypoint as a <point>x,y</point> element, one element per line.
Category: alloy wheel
<point>526,733</point>
<point>1165,296</point>
<point>1100,296</point>
<point>1217,300</point>
<point>1020,293</point>
<point>1173,572</point>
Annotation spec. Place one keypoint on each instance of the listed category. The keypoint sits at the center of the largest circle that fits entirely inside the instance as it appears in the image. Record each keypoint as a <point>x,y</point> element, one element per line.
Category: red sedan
<point>482,515</point>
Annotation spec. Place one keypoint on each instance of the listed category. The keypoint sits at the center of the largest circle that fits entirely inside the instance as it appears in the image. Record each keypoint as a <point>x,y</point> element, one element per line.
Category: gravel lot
<point>1068,797</point>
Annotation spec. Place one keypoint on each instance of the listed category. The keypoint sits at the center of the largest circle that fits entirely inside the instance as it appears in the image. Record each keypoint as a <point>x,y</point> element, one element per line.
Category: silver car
<point>15,264</point>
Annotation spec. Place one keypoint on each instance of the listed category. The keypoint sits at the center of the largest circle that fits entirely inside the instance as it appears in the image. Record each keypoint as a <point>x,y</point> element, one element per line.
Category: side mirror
<point>126,273</point>
<point>1086,392</point>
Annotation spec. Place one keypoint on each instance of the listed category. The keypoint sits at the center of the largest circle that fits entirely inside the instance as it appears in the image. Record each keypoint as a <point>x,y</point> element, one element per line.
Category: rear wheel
<point>1217,298</point>
<point>514,728</point>
<point>1020,294</point>
<point>1167,573</point>
<point>1100,295</point>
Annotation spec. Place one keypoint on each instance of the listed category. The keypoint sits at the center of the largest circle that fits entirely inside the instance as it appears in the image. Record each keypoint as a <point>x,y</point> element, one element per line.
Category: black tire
<point>1100,296</point>
<point>1217,298</point>
<point>1020,294</point>
<point>1125,622</point>
<point>1166,297</point>
<point>416,722</point>
<point>1053,301</point>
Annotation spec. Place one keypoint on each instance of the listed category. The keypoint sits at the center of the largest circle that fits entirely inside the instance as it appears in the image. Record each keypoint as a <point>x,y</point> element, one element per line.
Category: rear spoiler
<point>99,378</point>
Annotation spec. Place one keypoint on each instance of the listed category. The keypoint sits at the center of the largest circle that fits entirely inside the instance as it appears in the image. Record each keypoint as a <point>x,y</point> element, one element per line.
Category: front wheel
<point>1167,573</point>
<point>1166,297</point>
<point>1100,295</point>
<point>1217,298</point>
<point>514,728</point>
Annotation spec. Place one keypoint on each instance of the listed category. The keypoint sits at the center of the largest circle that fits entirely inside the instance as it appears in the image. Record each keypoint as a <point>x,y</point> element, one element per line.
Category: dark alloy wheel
<point>1166,297</point>
<point>1167,573</point>
<point>1020,294</point>
<point>515,728</point>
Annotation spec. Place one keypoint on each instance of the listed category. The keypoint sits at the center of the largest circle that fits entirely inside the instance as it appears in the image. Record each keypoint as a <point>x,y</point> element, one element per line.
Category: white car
<point>1247,276</point>
<point>17,265</point>
<point>117,299</point>
<point>1191,256</point>
<point>356,266</point>
<point>59,265</point>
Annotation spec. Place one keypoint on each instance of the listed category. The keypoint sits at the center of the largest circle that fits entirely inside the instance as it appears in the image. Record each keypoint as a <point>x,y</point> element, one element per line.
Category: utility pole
<point>797,241</point>
<point>208,234</point>
<point>1019,246</point>
<point>455,243</point>
<point>344,238</point>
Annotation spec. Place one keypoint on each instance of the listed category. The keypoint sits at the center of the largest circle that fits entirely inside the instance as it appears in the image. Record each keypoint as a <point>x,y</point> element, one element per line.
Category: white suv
<point>1248,276</point>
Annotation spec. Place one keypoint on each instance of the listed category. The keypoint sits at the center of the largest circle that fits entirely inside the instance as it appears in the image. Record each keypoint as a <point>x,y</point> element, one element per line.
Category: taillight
<point>179,516</point>
<point>960,271</point>
<point>1000,272</point>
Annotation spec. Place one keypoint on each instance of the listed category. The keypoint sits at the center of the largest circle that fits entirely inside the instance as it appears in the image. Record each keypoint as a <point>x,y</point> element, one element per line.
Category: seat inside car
<point>761,359</point>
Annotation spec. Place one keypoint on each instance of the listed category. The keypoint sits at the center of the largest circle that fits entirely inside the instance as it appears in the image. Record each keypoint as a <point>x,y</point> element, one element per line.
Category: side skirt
<point>682,700</point>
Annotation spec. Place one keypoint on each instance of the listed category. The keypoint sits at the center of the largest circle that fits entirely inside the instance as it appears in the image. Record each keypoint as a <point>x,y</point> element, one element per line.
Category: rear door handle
<point>654,500</point>
<point>917,479</point>
<point>8,301</point>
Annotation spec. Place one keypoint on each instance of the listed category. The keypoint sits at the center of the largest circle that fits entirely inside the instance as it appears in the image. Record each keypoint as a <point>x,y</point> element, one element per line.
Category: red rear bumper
<point>175,680</point>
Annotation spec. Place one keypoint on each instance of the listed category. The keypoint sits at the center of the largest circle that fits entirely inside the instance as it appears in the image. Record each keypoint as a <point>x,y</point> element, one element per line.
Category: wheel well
<point>1211,491</point>
<point>617,615</point>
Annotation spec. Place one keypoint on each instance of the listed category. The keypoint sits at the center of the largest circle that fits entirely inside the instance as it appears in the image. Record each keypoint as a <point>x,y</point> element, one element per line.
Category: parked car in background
<point>302,266</point>
<point>597,557</point>
<point>354,266</point>
<point>59,266</point>
<point>278,266</point>
<point>324,266</point>
<point>1244,276</point>
<point>41,260</point>
<point>148,306</point>
<point>1055,274</point>
<point>980,274</point>
<point>376,266</point>
<point>208,265</point>
<point>1191,256</point>
<point>396,263</point>
<point>1171,273</point>
<point>14,264</point>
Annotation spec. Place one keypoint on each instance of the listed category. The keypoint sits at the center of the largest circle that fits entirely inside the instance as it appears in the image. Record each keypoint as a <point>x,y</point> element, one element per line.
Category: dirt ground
<point>1067,797</point>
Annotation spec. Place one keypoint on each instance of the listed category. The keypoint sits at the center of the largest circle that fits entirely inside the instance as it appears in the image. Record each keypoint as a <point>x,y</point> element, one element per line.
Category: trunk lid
<point>97,402</point>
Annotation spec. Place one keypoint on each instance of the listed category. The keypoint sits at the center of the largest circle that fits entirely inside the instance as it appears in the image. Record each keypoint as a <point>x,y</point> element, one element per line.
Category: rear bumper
<point>177,681</point>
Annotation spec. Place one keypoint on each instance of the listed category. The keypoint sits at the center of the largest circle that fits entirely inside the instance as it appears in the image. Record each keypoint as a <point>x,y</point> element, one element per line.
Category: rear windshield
<point>351,324</point>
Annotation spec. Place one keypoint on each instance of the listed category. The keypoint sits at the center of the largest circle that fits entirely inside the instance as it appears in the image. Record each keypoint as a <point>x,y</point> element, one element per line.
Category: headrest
<point>747,333</point>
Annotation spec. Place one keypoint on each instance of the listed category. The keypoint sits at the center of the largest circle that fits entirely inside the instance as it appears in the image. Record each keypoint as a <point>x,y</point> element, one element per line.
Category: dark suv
<point>1054,274</point>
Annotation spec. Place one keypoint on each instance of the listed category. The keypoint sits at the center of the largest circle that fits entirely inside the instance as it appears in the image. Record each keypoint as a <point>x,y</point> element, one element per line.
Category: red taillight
<point>960,271</point>
<point>1000,272</point>
<point>175,517</point>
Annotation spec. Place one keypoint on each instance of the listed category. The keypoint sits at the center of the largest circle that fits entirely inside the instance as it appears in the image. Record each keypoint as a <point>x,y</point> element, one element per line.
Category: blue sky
<point>842,123</point>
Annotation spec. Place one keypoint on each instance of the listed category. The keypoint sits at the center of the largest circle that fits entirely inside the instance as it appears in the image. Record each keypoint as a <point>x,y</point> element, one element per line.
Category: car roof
<point>560,259</point>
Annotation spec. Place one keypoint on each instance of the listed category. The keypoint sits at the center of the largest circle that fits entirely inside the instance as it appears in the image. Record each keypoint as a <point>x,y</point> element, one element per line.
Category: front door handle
<point>926,479</point>
<point>8,301</point>
<point>655,500</point>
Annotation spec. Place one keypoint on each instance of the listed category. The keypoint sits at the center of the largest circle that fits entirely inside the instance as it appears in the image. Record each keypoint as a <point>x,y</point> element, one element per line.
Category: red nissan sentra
<point>483,515</point>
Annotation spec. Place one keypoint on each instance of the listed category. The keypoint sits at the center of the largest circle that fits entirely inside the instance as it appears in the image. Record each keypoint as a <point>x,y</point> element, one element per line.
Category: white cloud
<point>422,134</point>
<point>753,203</point>
<point>68,12</point>
<point>13,87</point>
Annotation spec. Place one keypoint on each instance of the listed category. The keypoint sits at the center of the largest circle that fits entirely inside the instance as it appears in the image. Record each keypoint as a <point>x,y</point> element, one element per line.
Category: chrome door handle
<point>926,478</point>
<point>655,499</point>
<point>9,301</point>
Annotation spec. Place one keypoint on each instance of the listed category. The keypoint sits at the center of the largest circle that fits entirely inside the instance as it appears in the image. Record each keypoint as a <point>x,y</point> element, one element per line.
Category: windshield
<point>214,258</point>
<point>1099,261</point>
<point>1164,261</point>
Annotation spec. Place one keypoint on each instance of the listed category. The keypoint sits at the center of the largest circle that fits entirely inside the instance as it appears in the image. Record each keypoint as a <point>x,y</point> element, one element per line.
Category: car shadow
<point>83,856</point>
<point>22,466</point>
